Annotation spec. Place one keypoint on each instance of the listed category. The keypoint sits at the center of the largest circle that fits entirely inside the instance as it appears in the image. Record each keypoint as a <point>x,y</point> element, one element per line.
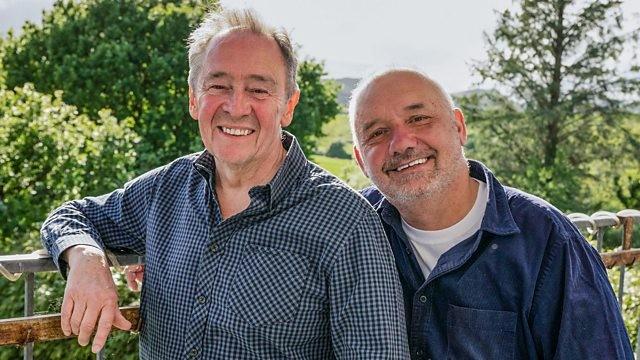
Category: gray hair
<point>216,23</point>
<point>366,81</point>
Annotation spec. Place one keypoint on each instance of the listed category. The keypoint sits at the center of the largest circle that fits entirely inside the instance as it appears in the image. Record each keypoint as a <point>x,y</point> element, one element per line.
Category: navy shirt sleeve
<point>574,314</point>
<point>367,311</point>
<point>113,220</point>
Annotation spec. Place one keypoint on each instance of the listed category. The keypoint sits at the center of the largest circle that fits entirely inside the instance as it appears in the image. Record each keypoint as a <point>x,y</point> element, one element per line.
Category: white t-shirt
<point>428,246</point>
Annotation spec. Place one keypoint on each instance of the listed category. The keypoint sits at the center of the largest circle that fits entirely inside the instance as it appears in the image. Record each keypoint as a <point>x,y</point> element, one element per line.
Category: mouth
<point>410,164</point>
<point>235,131</point>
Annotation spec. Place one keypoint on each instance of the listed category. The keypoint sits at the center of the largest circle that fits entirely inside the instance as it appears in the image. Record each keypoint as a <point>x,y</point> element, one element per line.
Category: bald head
<point>377,88</point>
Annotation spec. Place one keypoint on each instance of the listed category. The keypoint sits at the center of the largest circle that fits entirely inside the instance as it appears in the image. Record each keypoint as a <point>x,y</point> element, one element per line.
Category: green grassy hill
<point>345,169</point>
<point>337,132</point>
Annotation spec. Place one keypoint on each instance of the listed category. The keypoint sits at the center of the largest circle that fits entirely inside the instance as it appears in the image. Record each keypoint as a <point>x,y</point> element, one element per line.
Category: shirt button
<point>419,352</point>
<point>423,299</point>
<point>193,353</point>
<point>213,247</point>
<point>201,299</point>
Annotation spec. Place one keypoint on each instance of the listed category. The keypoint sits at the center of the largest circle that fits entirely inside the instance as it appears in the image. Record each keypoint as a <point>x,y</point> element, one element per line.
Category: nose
<point>402,139</point>
<point>236,104</point>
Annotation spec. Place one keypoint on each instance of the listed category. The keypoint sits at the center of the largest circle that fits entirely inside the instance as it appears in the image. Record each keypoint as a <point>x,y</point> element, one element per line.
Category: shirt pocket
<point>480,334</point>
<point>268,285</point>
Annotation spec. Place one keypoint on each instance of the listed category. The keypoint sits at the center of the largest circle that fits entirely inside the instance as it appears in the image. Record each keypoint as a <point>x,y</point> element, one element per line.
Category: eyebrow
<point>215,75</point>
<point>369,125</point>
<point>262,78</point>
<point>255,77</point>
<point>415,106</point>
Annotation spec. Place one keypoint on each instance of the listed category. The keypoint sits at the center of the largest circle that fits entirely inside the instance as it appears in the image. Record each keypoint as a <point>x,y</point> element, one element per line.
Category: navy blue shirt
<point>527,285</point>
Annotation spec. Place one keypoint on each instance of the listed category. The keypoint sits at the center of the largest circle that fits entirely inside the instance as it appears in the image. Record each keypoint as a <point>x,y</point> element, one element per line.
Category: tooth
<point>413,163</point>
<point>236,132</point>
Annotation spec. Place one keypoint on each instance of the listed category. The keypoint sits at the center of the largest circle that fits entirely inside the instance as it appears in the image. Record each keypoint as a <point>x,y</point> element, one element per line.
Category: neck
<point>234,182</point>
<point>441,210</point>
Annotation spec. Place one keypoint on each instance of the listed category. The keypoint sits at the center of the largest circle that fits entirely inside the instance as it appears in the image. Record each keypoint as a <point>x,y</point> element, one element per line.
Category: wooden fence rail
<point>39,328</point>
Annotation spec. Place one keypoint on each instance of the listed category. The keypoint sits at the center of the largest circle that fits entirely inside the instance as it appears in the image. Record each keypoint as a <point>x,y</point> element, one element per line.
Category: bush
<point>49,153</point>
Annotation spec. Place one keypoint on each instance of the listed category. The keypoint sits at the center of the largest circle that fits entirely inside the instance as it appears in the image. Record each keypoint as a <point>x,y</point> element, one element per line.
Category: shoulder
<point>528,207</point>
<point>178,169</point>
<point>534,215</point>
<point>327,189</point>
<point>372,194</point>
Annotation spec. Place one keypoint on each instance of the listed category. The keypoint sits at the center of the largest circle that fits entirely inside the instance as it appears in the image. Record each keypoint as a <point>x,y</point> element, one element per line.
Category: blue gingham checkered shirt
<point>304,272</point>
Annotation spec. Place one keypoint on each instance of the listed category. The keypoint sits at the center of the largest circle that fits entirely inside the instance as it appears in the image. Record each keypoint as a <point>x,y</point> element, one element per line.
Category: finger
<point>120,321</point>
<point>65,314</point>
<point>131,279</point>
<point>76,316</point>
<point>87,325</point>
<point>104,327</point>
<point>139,277</point>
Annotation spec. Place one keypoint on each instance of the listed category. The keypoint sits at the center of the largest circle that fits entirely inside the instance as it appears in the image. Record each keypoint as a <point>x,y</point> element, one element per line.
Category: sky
<point>356,37</point>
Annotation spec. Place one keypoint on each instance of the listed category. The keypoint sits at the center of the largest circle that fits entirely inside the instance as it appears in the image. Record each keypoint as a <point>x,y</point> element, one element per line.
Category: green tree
<point>127,56</point>
<point>50,153</point>
<point>318,104</point>
<point>567,98</point>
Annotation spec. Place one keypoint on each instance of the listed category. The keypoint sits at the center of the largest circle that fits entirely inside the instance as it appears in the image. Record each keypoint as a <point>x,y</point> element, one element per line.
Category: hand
<point>134,275</point>
<point>90,297</point>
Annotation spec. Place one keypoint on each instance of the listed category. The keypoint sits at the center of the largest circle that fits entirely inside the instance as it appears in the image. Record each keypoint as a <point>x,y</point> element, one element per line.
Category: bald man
<point>488,271</point>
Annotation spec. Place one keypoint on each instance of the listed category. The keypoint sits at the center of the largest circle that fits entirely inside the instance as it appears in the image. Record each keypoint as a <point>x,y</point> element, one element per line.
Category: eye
<point>258,93</point>
<point>376,134</point>
<point>217,88</point>
<point>419,118</point>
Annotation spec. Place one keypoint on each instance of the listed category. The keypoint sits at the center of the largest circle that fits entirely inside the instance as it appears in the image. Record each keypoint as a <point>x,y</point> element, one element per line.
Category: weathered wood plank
<point>624,257</point>
<point>39,328</point>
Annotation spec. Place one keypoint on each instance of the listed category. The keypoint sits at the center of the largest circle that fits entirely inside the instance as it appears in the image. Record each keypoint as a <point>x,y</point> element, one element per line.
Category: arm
<point>75,235</point>
<point>575,314</point>
<point>367,312</point>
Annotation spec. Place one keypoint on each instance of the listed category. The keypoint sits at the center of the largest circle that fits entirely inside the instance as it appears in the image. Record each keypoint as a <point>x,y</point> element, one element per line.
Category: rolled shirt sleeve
<point>116,220</point>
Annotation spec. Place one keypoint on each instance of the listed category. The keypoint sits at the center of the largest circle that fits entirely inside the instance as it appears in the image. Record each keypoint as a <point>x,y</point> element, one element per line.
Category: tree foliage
<point>318,104</point>
<point>127,56</point>
<point>50,153</point>
<point>567,98</point>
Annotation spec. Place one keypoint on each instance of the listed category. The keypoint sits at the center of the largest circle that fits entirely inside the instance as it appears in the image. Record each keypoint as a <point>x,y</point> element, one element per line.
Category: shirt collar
<point>497,217</point>
<point>292,168</point>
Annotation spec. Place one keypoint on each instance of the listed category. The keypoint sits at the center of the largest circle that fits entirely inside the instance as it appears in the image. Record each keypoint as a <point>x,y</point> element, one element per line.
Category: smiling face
<point>240,103</point>
<point>409,137</point>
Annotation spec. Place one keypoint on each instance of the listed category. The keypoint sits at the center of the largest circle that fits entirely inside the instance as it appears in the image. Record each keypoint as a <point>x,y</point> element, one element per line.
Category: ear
<point>461,126</point>
<point>291,106</point>
<point>358,157</point>
<point>193,104</point>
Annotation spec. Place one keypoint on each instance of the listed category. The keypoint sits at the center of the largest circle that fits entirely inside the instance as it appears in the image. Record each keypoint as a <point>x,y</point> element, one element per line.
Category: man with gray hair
<point>251,250</point>
<point>488,271</point>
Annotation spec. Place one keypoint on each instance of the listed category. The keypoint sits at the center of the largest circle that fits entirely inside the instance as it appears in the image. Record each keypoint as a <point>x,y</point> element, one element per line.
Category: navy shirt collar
<point>497,217</point>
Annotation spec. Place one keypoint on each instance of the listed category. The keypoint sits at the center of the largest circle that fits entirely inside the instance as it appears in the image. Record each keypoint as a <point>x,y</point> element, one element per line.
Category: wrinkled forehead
<point>395,93</point>
<point>243,50</point>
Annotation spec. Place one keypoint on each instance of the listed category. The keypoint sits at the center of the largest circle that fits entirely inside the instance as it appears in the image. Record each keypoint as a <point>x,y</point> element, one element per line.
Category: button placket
<point>194,353</point>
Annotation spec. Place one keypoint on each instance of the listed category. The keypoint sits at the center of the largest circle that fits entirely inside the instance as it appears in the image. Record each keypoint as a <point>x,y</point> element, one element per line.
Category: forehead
<point>239,54</point>
<point>395,93</point>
